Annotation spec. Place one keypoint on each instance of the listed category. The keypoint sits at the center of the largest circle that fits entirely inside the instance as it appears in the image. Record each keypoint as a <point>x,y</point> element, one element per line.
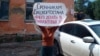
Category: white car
<point>78,38</point>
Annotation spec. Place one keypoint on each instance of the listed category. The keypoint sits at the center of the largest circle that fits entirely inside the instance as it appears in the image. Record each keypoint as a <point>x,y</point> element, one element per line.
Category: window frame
<point>5,12</point>
<point>26,18</point>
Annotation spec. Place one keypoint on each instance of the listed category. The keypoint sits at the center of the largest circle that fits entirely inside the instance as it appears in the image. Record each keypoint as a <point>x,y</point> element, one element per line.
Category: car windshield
<point>96,29</point>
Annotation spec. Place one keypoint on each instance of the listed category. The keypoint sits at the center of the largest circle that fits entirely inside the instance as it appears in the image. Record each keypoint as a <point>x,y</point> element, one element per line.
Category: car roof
<point>85,22</point>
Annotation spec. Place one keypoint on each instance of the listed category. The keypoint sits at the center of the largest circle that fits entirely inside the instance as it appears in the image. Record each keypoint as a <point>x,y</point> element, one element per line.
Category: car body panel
<point>78,47</point>
<point>75,46</point>
<point>65,44</point>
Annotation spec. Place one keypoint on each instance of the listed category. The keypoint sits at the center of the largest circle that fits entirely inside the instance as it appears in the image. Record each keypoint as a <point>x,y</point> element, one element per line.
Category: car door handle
<point>72,41</point>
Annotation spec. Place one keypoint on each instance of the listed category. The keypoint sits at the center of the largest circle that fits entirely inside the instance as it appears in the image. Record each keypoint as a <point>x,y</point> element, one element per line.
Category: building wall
<point>16,22</point>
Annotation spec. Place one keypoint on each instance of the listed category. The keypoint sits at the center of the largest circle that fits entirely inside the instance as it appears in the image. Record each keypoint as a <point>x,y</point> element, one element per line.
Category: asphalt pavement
<point>28,48</point>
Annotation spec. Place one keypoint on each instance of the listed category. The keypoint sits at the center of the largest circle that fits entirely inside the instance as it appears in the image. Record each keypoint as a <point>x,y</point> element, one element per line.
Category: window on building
<point>4,9</point>
<point>29,7</point>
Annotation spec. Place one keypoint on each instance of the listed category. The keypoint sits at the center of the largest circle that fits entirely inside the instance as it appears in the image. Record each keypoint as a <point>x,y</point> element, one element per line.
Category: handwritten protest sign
<point>49,14</point>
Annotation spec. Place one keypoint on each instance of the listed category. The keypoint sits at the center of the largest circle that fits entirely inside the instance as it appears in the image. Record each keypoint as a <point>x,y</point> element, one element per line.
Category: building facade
<point>16,15</point>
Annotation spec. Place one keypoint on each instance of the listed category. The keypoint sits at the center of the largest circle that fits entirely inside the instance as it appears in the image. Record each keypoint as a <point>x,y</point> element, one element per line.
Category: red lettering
<point>59,21</point>
<point>51,17</point>
<point>39,17</point>
<point>47,21</point>
<point>60,17</point>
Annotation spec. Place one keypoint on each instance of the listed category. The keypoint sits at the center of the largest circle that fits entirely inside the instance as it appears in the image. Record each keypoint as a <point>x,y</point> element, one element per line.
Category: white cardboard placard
<point>49,14</point>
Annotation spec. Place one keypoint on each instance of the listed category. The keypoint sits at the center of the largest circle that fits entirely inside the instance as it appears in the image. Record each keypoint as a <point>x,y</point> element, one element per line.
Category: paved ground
<point>29,48</point>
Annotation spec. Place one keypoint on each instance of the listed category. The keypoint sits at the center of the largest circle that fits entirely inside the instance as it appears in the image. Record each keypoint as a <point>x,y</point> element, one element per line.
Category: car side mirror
<point>88,39</point>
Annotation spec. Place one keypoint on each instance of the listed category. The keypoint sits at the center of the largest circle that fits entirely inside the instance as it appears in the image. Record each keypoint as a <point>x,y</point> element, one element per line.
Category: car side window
<point>76,30</point>
<point>81,31</point>
<point>68,28</point>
